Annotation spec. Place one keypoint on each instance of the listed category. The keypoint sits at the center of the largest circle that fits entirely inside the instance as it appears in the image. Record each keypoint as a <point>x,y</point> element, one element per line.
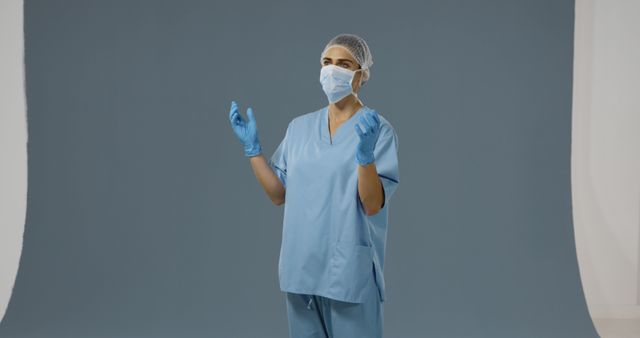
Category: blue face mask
<point>336,82</point>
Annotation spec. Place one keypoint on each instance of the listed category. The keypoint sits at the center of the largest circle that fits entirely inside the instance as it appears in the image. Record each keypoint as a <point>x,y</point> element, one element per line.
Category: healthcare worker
<point>335,171</point>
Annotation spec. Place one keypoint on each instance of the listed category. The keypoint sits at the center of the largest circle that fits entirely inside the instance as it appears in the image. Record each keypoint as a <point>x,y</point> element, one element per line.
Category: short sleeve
<point>386,160</point>
<point>278,160</point>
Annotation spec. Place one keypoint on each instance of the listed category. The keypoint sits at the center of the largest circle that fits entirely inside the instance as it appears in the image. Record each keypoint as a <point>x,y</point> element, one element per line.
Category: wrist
<point>364,159</point>
<point>253,149</point>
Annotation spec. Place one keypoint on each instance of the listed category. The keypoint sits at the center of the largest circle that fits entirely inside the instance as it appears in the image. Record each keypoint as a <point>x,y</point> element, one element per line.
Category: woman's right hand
<point>247,132</point>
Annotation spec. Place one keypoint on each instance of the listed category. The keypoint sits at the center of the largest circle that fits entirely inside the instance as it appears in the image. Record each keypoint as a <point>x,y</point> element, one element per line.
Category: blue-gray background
<point>145,218</point>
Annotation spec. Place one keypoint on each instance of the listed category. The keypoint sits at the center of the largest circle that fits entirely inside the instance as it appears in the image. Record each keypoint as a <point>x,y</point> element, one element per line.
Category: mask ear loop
<point>353,77</point>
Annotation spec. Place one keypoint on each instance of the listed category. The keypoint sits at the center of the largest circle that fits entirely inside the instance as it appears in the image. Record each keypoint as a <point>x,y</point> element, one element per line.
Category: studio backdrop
<point>144,218</point>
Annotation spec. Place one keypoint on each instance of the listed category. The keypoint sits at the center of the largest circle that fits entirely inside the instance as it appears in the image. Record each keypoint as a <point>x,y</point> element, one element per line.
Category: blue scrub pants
<point>312,316</point>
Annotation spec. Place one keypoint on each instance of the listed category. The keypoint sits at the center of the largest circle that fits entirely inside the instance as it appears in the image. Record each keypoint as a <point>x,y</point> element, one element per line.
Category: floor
<point>617,328</point>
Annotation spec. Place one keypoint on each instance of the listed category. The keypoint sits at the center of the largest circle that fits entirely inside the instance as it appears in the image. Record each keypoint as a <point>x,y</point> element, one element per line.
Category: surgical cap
<point>358,49</point>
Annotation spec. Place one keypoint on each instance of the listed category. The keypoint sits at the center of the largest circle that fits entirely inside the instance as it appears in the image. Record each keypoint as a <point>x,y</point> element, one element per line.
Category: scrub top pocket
<point>351,270</point>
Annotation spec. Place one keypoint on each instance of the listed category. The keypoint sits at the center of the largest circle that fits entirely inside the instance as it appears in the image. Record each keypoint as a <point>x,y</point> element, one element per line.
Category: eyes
<point>341,64</point>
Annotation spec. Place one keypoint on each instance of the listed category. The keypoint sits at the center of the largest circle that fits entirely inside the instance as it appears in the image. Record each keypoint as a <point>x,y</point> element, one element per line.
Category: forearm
<point>370,188</point>
<point>268,179</point>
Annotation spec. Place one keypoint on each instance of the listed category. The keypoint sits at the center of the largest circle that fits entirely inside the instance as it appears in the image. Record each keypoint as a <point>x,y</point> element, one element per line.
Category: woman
<point>338,167</point>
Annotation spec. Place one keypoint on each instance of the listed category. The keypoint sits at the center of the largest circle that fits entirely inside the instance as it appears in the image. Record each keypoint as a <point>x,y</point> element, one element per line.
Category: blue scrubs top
<point>330,247</point>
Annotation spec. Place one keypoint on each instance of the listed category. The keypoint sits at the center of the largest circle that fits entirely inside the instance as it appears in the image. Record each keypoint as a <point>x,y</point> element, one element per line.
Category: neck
<point>344,108</point>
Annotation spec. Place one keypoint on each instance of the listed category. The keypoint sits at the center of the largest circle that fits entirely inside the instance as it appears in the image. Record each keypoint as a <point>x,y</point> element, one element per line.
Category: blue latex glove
<point>247,132</point>
<point>368,138</point>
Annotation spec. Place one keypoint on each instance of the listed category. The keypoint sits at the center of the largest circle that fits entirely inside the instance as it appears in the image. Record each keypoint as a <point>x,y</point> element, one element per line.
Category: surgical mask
<point>336,82</point>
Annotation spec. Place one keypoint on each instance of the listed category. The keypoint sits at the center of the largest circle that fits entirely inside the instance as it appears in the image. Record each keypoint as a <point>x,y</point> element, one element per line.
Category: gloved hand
<point>247,132</point>
<point>368,138</point>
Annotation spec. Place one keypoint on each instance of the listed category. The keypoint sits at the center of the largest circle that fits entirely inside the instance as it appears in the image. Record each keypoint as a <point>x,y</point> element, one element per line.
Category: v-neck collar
<point>346,125</point>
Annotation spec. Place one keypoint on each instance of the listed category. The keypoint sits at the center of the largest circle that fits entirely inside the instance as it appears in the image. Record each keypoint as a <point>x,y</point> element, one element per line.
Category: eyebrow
<point>326,58</point>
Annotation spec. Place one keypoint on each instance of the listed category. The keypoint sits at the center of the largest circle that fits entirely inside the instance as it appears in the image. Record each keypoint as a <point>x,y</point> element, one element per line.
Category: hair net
<point>358,49</point>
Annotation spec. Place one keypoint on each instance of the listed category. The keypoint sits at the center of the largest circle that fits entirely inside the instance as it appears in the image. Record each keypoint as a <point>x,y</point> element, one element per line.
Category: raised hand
<point>247,132</point>
<point>368,137</point>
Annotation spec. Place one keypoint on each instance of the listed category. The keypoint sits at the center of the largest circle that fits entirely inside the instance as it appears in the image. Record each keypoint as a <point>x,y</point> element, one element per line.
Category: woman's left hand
<point>368,138</point>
